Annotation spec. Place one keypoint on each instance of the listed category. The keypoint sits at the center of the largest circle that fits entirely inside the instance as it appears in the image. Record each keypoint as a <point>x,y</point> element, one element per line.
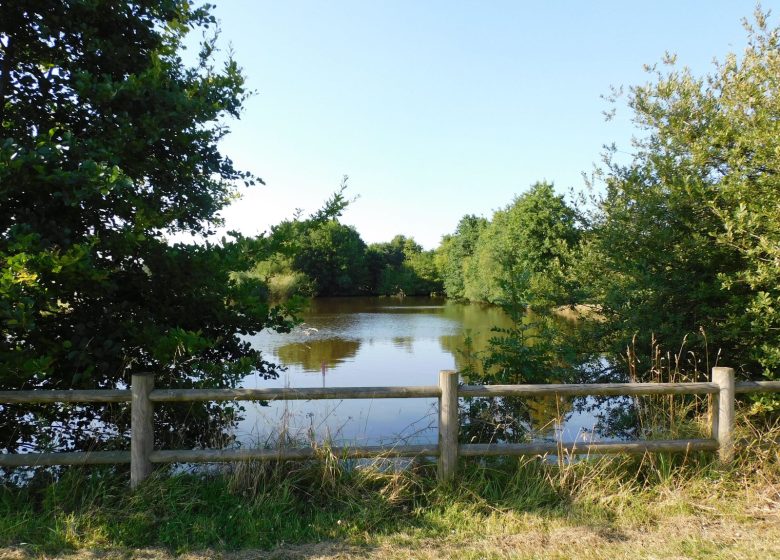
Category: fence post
<point>141,428</point>
<point>724,378</point>
<point>713,402</point>
<point>448,425</point>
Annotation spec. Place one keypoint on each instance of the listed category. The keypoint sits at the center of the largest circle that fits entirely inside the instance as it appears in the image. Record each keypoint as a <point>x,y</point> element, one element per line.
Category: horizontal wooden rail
<point>292,454</point>
<point>289,393</point>
<point>430,391</point>
<point>142,397</point>
<point>590,448</point>
<point>70,458</point>
<point>757,387</point>
<point>66,396</point>
<point>227,455</point>
<point>585,389</point>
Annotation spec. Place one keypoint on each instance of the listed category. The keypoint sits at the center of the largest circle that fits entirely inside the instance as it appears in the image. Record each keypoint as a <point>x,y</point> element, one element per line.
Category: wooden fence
<point>142,395</point>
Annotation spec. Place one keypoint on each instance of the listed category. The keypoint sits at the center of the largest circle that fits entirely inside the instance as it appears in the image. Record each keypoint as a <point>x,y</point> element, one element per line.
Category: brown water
<point>362,342</point>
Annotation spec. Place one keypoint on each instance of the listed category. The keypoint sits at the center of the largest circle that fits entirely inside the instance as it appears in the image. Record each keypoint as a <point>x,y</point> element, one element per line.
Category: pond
<point>363,342</point>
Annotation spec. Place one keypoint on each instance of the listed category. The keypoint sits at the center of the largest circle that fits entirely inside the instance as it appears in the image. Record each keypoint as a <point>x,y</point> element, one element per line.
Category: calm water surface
<point>362,342</point>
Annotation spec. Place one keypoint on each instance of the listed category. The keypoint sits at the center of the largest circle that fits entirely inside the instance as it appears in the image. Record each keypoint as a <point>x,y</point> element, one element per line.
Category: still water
<point>363,342</point>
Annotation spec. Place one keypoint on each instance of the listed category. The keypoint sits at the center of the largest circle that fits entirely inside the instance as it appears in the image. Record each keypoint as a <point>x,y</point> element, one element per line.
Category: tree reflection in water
<point>313,355</point>
<point>386,341</point>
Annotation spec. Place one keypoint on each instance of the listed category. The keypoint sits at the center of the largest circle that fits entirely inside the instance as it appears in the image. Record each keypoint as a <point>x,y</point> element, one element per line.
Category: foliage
<point>108,143</point>
<point>519,260</point>
<point>286,237</point>
<point>454,253</point>
<point>683,247</point>
<point>688,236</point>
<point>275,254</point>
<point>283,283</point>
<point>519,257</point>
<point>401,266</point>
<point>318,255</point>
<point>333,256</point>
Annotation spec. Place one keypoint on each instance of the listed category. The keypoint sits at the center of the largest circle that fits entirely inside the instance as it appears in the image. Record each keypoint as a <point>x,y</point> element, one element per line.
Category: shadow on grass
<point>264,505</point>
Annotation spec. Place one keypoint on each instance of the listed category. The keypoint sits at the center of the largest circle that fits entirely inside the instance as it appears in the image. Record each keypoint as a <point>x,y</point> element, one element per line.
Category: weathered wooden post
<point>713,401</point>
<point>448,425</point>
<point>723,412</point>
<point>141,428</point>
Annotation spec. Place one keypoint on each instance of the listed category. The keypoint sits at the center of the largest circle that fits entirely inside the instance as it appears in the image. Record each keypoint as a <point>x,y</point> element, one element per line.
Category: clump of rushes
<point>260,505</point>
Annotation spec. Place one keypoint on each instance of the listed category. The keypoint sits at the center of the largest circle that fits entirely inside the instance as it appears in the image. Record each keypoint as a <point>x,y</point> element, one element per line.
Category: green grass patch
<point>265,505</point>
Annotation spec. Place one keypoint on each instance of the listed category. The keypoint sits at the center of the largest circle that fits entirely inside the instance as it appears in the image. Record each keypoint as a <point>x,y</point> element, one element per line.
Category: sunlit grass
<point>262,505</point>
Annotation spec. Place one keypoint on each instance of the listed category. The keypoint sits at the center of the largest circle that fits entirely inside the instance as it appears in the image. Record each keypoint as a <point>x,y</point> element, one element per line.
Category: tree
<point>275,253</point>
<point>454,253</point>
<point>688,239</point>
<point>321,255</point>
<point>381,257</point>
<point>401,266</point>
<point>519,260</point>
<point>334,256</point>
<point>108,142</point>
<point>523,247</point>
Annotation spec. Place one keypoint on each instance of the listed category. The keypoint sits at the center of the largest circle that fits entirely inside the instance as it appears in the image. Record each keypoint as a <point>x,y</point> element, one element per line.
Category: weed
<point>262,504</point>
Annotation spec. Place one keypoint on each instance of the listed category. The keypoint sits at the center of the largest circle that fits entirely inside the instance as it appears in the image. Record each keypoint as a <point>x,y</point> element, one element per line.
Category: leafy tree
<point>523,247</point>
<point>455,252</point>
<point>401,266</point>
<point>483,273</point>
<point>688,239</point>
<point>275,253</point>
<point>108,143</point>
<point>426,276</point>
<point>519,260</point>
<point>334,256</point>
<point>318,255</point>
<point>380,257</point>
<point>652,265</point>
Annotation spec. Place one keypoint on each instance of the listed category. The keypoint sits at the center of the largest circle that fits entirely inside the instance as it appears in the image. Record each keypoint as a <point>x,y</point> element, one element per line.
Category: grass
<point>653,507</point>
<point>292,508</point>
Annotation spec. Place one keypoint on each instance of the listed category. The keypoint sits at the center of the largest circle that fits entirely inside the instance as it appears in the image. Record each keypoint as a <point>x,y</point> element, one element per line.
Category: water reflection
<point>404,342</point>
<point>387,341</point>
<point>476,322</point>
<point>316,355</point>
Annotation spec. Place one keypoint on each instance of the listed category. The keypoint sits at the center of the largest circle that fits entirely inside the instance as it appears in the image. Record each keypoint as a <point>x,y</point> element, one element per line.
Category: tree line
<point>673,259</point>
<point>676,248</point>
<point>317,257</point>
<point>477,262</point>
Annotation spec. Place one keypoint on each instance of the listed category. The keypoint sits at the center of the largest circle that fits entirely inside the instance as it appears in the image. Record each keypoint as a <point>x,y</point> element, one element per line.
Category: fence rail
<point>142,396</point>
<point>586,389</point>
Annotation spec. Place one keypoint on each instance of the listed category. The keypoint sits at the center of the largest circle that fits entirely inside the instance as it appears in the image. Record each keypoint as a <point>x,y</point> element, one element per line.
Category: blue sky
<point>439,109</point>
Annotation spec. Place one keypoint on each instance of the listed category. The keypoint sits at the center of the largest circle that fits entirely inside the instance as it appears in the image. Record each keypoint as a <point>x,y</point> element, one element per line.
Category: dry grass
<point>597,512</point>
<point>659,506</point>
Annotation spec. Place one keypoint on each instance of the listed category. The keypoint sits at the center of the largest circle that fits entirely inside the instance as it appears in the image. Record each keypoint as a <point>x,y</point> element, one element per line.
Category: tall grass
<point>672,416</point>
<point>284,286</point>
<point>262,504</point>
